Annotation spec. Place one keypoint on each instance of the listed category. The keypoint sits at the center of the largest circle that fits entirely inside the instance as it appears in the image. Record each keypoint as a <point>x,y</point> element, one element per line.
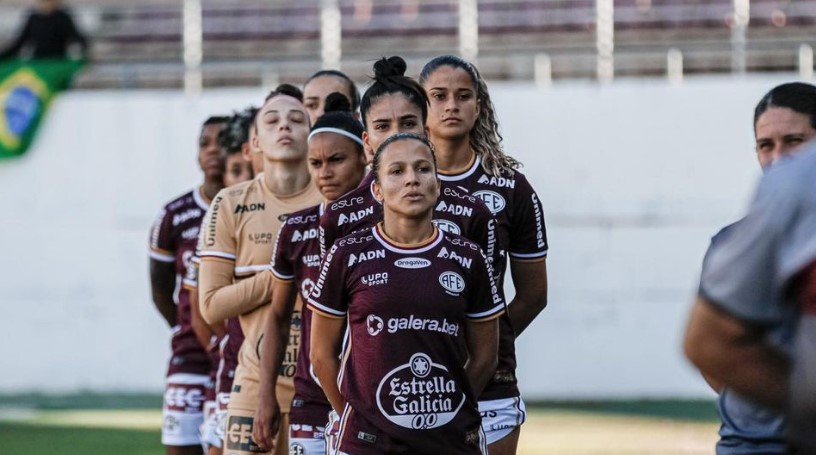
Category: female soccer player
<point>784,120</point>
<point>323,83</point>
<point>238,241</point>
<point>337,164</point>
<point>422,310</point>
<point>172,244</point>
<point>462,126</point>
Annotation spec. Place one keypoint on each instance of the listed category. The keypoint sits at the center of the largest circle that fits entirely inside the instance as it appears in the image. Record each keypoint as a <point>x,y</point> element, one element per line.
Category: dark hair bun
<point>337,102</point>
<point>389,67</point>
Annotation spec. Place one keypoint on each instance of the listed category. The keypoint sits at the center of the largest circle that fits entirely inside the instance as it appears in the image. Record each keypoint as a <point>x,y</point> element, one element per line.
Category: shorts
<point>183,409</point>
<point>306,440</point>
<point>238,436</point>
<point>209,436</point>
<point>501,417</point>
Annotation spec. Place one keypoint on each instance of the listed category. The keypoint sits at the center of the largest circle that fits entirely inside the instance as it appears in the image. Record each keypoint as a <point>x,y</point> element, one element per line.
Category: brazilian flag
<point>26,89</point>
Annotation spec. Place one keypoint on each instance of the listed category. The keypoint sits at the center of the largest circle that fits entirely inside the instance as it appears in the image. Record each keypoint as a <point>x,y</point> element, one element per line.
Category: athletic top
<point>748,428</point>
<point>297,259</point>
<point>173,240</point>
<point>521,229</point>
<point>243,220</point>
<point>402,369</point>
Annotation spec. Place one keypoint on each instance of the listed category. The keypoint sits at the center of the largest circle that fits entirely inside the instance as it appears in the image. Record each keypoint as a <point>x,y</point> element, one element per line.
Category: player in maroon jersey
<point>395,103</point>
<point>422,309</point>
<point>322,84</point>
<point>463,128</point>
<point>337,164</point>
<point>172,244</point>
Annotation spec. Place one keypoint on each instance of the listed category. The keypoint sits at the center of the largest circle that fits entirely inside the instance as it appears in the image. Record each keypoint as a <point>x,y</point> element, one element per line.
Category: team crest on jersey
<point>412,263</point>
<point>365,256</point>
<point>455,209</point>
<point>374,324</point>
<point>493,200</point>
<point>353,217</point>
<point>444,253</point>
<point>498,181</point>
<point>306,287</point>
<point>448,226</point>
<point>452,282</point>
<point>308,234</point>
<point>419,395</point>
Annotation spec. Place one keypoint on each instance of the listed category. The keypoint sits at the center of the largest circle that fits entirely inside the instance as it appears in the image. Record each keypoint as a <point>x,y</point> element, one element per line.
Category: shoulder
<point>307,216</point>
<point>179,202</point>
<point>461,244</point>
<point>354,198</point>
<point>356,241</point>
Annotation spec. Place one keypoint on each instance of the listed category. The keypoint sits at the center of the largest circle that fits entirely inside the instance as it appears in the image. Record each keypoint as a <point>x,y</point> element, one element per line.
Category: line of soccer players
<point>396,233</point>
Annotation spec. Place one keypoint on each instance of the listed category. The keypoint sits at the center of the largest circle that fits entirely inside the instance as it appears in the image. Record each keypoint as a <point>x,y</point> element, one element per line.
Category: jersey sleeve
<point>528,233</point>
<point>218,233</point>
<point>484,234</point>
<point>328,231</point>
<point>162,244</point>
<point>190,280</point>
<point>282,267</point>
<point>329,294</point>
<point>486,299</point>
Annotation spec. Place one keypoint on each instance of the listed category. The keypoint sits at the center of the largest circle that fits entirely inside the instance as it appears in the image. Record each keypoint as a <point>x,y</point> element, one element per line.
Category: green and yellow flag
<point>26,89</point>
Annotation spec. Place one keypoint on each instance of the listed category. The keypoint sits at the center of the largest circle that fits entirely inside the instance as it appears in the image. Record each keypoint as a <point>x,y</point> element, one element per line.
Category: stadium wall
<point>634,177</point>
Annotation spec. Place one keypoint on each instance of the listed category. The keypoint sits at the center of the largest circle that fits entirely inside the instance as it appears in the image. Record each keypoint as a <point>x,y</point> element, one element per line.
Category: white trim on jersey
<point>487,313</point>
<point>540,254</point>
<point>200,200</point>
<point>161,257</point>
<point>187,378</point>
<point>326,309</point>
<point>395,249</point>
<point>281,276</point>
<point>190,283</point>
<point>217,254</point>
<point>252,268</point>
<point>464,175</point>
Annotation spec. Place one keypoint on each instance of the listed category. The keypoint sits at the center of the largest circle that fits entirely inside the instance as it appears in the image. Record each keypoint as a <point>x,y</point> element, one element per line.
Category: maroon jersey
<point>351,212</point>
<point>173,239</point>
<point>402,371</point>
<point>230,346</point>
<point>521,230</point>
<point>297,258</point>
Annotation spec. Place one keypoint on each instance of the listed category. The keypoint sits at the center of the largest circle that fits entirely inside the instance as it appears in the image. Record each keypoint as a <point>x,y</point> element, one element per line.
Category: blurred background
<point>633,119</point>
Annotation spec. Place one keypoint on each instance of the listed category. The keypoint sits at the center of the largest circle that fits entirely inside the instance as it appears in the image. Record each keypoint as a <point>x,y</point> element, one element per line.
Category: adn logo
<point>307,234</point>
<point>448,226</point>
<point>492,200</point>
<point>375,324</point>
<point>452,282</point>
<point>412,263</point>
<point>241,208</point>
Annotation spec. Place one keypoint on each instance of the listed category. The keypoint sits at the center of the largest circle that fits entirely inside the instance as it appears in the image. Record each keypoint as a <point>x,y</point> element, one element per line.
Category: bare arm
<point>275,340</point>
<point>162,285</point>
<point>203,331</point>
<point>483,349</point>
<point>530,281</point>
<point>327,338</point>
<point>733,353</point>
<point>222,299</point>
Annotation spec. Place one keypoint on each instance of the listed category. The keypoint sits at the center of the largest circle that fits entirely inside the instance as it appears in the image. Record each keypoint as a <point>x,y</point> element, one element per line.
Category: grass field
<point>92,425</point>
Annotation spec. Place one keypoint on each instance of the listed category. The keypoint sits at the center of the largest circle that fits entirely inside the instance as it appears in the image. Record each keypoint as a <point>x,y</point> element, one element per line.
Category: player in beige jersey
<point>238,241</point>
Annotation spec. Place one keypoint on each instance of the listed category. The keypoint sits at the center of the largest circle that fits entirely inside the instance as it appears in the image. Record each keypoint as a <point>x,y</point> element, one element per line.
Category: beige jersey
<point>242,222</point>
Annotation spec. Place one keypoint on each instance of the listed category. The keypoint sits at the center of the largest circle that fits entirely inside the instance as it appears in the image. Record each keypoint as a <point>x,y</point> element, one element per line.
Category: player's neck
<point>453,156</point>
<point>407,231</point>
<point>286,178</point>
<point>210,188</point>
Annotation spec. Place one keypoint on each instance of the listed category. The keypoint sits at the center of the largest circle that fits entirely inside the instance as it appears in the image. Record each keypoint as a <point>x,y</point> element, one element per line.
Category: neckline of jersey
<point>402,248</point>
<point>200,200</point>
<point>463,175</point>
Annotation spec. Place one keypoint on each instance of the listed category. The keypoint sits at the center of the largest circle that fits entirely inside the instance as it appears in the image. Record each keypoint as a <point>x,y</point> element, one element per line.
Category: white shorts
<point>183,409</point>
<point>307,440</point>
<point>501,417</point>
<point>209,437</point>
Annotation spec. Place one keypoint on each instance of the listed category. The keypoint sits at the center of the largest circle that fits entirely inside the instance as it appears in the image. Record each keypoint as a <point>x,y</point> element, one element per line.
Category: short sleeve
<point>328,231</point>
<point>282,266</point>
<point>528,233</point>
<point>486,301</point>
<point>162,244</point>
<point>329,294</point>
<point>218,233</point>
<point>483,232</point>
<point>190,280</point>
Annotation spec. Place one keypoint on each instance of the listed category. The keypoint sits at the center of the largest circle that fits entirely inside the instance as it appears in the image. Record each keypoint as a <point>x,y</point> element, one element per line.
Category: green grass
<point>31,439</point>
<point>685,410</point>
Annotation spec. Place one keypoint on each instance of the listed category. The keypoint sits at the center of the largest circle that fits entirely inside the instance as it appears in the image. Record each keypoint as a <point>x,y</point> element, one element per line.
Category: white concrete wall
<point>634,177</point>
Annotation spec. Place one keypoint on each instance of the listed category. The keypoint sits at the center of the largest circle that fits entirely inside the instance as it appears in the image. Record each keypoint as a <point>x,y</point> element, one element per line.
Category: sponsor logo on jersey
<point>296,449</point>
<point>306,287</point>
<point>288,367</point>
<point>452,282</point>
<point>412,263</point>
<point>454,209</point>
<point>311,260</point>
<point>184,397</point>
<point>415,323</point>
<point>353,217</point>
<point>318,288</point>
<point>343,203</point>
<point>539,222</point>
<point>365,256</point>
<point>493,200</point>
<point>186,215</point>
<point>216,207</point>
<point>190,233</point>
<point>419,395</point>
<point>246,208</point>
<point>353,240</point>
<point>260,238</point>
<point>444,253</point>
<point>448,191</point>
<point>374,324</point>
<point>301,219</point>
<point>307,234</point>
<point>375,279</point>
<point>491,240</point>
<point>448,226</point>
<point>239,435</point>
<point>463,242</point>
<point>498,181</point>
